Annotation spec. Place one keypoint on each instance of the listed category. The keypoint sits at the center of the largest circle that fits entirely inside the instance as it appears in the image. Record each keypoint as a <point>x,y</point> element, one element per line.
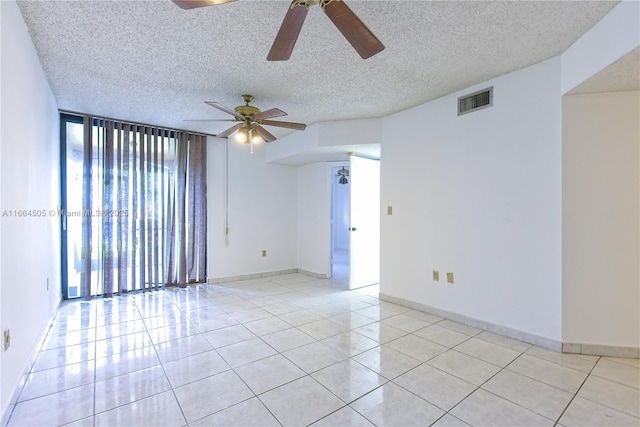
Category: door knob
<point>352,229</point>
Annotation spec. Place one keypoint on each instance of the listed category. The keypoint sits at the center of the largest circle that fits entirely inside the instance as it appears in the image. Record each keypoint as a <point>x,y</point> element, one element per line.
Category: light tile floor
<point>293,350</point>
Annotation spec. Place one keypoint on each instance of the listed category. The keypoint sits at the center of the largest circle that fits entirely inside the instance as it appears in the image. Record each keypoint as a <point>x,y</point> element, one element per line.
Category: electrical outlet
<point>264,252</point>
<point>389,210</point>
<point>450,277</point>
<point>436,276</point>
<point>7,339</point>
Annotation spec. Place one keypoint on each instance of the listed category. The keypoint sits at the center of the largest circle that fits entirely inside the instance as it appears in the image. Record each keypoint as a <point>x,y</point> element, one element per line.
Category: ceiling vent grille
<point>475,101</point>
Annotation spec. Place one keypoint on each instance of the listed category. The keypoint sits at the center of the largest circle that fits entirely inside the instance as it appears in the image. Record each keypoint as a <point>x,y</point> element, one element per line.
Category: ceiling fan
<point>251,119</point>
<point>351,27</point>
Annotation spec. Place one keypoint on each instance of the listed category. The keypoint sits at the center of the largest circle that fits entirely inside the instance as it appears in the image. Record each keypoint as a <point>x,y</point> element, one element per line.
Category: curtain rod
<point>128,122</point>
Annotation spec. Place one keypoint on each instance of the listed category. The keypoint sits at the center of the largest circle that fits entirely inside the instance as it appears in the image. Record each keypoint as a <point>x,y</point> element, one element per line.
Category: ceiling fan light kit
<point>247,136</point>
<point>251,120</point>
<point>343,174</point>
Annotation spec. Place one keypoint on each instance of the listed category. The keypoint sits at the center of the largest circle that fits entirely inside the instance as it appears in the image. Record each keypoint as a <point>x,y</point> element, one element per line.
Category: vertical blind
<point>144,204</point>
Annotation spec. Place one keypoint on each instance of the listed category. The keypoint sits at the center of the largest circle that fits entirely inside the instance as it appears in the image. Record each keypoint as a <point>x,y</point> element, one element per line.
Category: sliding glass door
<point>133,207</point>
<point>72,131</point>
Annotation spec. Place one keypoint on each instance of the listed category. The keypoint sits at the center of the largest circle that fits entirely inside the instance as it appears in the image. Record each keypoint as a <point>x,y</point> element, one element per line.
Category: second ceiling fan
<point>351,27</point>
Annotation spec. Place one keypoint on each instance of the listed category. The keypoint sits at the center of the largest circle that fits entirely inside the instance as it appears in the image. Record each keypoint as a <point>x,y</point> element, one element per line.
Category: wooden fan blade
<point>352,28</point>
<point>289,31</point>
<point>192,4</point>
<point>225,109</point>
<point>263,133</point>
<point>229,131</point>
<point>274,112</point>
<point>288,125</point>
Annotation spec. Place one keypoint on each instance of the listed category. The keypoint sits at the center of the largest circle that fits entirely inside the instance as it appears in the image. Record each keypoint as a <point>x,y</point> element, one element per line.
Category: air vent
<point>475,101</point>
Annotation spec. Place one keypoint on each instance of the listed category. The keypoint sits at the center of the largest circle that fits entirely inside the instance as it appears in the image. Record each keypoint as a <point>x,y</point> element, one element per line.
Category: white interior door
<point>364,235</point>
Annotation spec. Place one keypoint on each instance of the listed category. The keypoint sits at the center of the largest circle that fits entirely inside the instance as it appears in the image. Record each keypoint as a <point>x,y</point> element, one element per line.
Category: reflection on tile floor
<point>294,350</point>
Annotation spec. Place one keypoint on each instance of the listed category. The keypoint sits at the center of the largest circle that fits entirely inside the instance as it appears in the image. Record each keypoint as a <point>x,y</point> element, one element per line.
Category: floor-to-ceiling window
<point>133,207</point>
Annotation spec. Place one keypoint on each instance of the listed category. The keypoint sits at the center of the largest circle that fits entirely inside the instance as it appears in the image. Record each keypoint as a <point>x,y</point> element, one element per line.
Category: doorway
<point>355,222</point>
<point>340,214</point>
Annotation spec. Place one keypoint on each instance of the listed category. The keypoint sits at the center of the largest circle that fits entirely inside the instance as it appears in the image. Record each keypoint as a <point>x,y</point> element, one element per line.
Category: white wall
<point>601,219</point>
<point>29,246</point>
<point>350,132</point>
<point>2,399</point>
<point>478,195</point>
<point>351,135</point>
<point>294,143</point>
<point>262,212</point>
<point>314,218</point>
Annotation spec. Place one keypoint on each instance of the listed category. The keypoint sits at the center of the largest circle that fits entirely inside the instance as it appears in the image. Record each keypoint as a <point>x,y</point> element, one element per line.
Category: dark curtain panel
<point>85,255</point>
<point>181,235</point>
<point>144,208</point>
<point>197,181</point>
<point>123,174</point>
<point>108,234</point>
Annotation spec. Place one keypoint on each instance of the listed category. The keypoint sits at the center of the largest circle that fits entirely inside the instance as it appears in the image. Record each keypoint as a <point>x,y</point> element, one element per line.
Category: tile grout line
<point>446,412</point>
<point>476,389</point>
<point>346,404</point>
<point>576,393</point>
<point>393,380</point>
<point>155,349</point>
<point>260,337</point>
<point>486,381</point>
<point>406,333</point>
<point>231,368</point>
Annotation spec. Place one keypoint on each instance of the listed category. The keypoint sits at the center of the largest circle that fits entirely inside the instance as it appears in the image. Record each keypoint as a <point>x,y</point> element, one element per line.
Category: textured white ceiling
<point>152,62</point>
<point>622,75</point>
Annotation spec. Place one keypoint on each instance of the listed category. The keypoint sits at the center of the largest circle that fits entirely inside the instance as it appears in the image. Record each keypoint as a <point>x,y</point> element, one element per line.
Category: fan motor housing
<point>247,110</point>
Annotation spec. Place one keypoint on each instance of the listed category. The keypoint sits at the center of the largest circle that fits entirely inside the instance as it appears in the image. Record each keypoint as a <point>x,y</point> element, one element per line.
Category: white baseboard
<point>601,350</point>
<point>487,326</point>
<point>251,276</point>
<point>564,347</point>
<point>312,274</point>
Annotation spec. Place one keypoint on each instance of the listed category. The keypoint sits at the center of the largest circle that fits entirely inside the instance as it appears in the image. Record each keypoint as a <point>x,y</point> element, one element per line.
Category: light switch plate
<point>450,277</point>
<point>436,276</point>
